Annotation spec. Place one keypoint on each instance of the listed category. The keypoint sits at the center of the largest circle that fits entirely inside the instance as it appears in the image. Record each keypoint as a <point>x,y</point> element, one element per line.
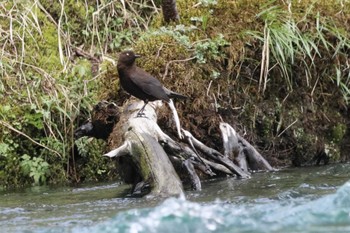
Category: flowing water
<point>315,199</point>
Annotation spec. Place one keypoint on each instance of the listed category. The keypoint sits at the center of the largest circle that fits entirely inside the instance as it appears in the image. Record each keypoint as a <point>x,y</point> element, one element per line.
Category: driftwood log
<point>158,165</point>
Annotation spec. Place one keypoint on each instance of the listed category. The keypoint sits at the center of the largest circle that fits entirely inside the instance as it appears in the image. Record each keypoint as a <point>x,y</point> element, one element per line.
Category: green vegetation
<point>46,86</point>
<point>36,168</point>
<point>278,71</point>
<point>286,46</point>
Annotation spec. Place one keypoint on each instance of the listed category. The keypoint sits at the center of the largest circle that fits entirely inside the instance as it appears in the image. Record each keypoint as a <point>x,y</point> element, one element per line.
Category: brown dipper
<point>141,84</point>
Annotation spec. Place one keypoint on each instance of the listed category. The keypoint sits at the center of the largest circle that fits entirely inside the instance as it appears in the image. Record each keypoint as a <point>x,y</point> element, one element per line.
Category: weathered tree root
<point>215,155</point>
<point>161,163</point>
<point>241,151</point>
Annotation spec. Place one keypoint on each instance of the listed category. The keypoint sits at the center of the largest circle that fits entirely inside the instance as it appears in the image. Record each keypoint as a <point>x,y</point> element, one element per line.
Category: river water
<point>314,199</point>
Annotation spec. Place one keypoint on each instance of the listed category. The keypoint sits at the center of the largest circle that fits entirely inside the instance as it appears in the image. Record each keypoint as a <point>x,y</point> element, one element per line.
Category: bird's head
<point>127,57</point>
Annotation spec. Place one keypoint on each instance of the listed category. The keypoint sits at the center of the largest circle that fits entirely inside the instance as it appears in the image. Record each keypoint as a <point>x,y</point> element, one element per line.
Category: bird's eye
<point>127,54</point>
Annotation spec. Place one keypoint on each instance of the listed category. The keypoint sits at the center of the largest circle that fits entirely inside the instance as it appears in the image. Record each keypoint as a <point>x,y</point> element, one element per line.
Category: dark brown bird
<point>141,84</point>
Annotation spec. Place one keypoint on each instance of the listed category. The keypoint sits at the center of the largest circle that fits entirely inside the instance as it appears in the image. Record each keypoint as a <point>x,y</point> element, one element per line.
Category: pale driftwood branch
<point>195,181</point>
<point>242,161</point>
<point>214,154</point>
<point>124,149</point>
<point>230,140</point>
<point>255,160</point>
<point>176,118</point>
<point>232,149</point>
<point>218,167</point>
<point>239,149</point>
<point>184,152</point>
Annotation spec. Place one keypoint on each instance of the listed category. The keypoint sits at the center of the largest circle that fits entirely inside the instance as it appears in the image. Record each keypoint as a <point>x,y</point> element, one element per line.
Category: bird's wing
<point>149,84</point>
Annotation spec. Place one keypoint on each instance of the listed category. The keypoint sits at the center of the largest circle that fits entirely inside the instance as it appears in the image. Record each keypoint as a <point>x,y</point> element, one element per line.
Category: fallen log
<point>141,136</point>
<point>161,165</point>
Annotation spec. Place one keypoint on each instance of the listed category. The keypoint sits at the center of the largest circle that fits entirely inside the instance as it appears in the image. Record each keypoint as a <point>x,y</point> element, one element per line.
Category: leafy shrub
<point>36,168</point>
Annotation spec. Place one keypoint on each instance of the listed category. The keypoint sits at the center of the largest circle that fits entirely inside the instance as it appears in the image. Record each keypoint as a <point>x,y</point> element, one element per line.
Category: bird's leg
<point>140,113</point>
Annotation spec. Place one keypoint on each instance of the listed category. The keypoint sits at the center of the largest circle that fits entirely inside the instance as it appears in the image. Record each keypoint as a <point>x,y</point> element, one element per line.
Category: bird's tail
<point>177,96</point>
<point>173,94</point>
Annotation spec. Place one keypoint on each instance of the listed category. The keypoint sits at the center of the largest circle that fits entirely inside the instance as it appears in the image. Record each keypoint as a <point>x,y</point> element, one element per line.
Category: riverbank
<point>278,73</point>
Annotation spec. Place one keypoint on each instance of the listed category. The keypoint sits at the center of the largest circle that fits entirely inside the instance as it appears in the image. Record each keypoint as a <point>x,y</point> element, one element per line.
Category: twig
<point>87,55</point>
<point>167,65</point>
<point>60,50</point>
<point>314,87</point>
<point>160,48</point>
<point>264,62</point>
<point>208,88</point>
<point>287,128</point>
<point>29,138</point>
<point>154,6</point>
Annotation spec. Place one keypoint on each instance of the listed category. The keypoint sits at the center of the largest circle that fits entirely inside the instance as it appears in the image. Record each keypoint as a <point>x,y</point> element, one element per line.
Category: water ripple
<point>300,200</point>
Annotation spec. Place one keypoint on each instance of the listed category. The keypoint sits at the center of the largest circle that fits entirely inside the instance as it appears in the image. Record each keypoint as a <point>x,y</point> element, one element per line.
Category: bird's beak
<point>137,55</point>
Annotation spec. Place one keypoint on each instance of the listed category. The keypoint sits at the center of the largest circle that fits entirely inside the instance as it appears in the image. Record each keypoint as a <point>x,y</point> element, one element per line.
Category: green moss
<point>332,151</point>
<point>77,15</point>
<point>338,133</point>
<point>306,146</point>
